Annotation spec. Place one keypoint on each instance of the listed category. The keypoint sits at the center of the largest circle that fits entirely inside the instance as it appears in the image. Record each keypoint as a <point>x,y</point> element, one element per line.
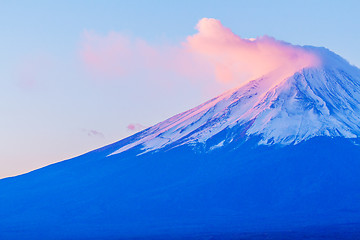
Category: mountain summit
<point>317,101</point>
<point>276,158</point>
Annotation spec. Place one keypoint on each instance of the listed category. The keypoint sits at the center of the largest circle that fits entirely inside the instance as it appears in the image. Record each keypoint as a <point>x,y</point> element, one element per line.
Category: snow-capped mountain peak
<point>322,100</point>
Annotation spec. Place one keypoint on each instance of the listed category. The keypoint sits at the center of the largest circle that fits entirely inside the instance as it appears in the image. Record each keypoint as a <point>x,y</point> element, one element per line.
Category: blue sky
<point>53,109</point>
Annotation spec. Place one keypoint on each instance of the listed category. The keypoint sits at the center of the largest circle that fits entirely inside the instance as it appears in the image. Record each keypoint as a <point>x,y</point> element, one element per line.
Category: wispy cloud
<point>93,133</point>
<point>109,55</point>
<point>214,51</point>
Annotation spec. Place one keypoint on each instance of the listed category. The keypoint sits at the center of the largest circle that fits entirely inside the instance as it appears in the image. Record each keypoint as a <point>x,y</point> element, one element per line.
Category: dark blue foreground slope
<point>310,189</point>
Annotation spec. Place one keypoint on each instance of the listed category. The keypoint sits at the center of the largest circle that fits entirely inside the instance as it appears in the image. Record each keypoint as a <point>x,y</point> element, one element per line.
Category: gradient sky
<point>54,105</point>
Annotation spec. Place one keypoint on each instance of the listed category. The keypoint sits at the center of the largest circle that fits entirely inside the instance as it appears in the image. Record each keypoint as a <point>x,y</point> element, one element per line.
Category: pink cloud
<point>234,58</point>
<point>214,52</point>
<point>135,127</point>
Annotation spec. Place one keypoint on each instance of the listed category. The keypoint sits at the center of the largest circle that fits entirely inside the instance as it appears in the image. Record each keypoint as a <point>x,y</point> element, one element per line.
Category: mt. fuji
<point>321,101</point>
<point>277,157</point>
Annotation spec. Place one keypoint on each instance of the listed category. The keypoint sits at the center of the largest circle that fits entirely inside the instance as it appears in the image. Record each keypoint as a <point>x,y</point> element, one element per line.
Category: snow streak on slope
<point>317,101</point>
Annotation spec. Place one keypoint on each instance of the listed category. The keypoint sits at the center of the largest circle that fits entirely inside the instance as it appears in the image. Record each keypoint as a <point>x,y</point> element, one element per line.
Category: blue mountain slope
<point>181,192</point>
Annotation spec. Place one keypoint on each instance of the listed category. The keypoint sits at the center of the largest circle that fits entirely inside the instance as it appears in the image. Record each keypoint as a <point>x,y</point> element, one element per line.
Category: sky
<point>78,75</point>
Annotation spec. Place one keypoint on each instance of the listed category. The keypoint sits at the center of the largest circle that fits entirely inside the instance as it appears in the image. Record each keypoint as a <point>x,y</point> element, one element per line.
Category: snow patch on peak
<point>313,103</point>
<point>220,144</point>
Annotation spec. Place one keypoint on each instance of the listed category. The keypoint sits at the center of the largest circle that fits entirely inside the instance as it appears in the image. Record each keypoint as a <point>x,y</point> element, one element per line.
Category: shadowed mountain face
<point>185,193</point>
<point>278,160</point>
